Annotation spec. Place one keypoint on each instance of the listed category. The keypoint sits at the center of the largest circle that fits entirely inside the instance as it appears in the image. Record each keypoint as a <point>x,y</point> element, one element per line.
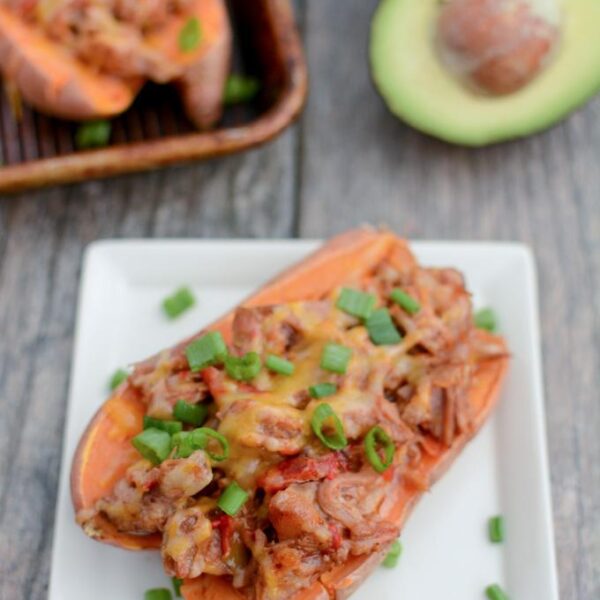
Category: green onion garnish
<point>171,427</point>
<point>232,499</point>
<point>201,437</point>
<point>392,557</point>
<point>190,35</point>
<point>381,328</point>
<point>153,444</point>
<point>378,436</point>
<point>406,301</point>
<point>335,358</point>
<point>485,319</point>
<point>323,418</point>
<point>206,351</point>
<point>243,368</point>
<point>158,594</point>
<point>240,88</point>
<point>178,302</point>
<point>496,529</point>
<point>182,442</point>
<point>356,303</point>
<point>93,134</point>
<point>495,592</point>
<point>279,365</point>
<point>321,390</point>
<point>194,414</point>
<point>117,378</point>
<point>177,583</point>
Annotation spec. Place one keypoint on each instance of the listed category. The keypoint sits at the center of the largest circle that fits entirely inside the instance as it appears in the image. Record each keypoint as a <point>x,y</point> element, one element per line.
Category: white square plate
<point>446,550</point>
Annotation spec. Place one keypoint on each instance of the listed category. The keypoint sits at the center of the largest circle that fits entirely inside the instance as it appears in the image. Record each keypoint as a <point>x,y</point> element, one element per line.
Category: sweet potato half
<point>56,82</point>
<point>105,451</point>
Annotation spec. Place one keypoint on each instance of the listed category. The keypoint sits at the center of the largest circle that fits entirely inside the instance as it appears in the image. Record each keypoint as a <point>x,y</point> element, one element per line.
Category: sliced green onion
<point>381,328</point>
<point>356,303</point>
<point>496,529</point>
<point>177,583</point>
<point>178,302</point>
<point>378,436</point>
<point>206,351</point>
<point>392,557</point>
<point>240,88</point>
<point>243,368</point>
<point>182,443</point>
<point>153,444</point>
<point>406,301</point>
<point>495,592</point>
<point>486,319</point>
<point>201,438</point>
<point>190,35</point>
<point>117,378</point>
<point>158,594</point>
<point>323,415</point>
<point>171,427</point>
<point>279,365</point>
<point>232,499</point>
<point>194,414</point>
<point>335,358</point>
<point>321,390</point>
<point>93,134</point>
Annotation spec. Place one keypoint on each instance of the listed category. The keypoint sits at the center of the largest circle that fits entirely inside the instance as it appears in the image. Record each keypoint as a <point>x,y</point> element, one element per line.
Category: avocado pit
<point>498,46</point>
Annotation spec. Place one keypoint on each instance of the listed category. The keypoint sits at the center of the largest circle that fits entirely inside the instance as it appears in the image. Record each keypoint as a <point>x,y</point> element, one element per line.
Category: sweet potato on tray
<point>52,80</point>
<point>83,60</point>
<point>348,386</point>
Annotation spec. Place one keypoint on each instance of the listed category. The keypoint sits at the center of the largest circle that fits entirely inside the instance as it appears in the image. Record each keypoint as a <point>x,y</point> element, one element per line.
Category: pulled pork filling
<point>111,36</point>
<point>310,505</point>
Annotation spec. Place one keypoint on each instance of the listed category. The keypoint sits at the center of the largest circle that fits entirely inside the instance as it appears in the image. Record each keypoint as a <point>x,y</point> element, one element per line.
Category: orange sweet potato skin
<point>54,82</point>
<point>347,258</point>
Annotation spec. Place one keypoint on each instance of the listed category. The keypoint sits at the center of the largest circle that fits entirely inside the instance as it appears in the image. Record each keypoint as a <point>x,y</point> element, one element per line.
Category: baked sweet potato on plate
<point>278,453</point>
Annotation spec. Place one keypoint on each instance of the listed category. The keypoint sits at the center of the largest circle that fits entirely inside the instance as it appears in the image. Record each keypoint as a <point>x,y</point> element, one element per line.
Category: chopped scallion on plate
<point>486,319</point>
<point>356,303</point>
<point>193,414</point>
<point>392,557</point>
<point>381,328</point>
<point>335,358</point>
<point>117,378</point>
<point>206,350</point>
<point>178,302</point>
<point>232,499</point>
<point>153,444</point>
<point>496,529</point>
<point>279,365</point>
<point>406,301</point>
<point>321,390</point>
<point>171,427</point>
<point>328,427</point>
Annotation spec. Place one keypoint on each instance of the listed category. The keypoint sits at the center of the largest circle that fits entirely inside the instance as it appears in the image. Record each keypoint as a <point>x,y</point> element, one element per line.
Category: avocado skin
<point>416,87</point>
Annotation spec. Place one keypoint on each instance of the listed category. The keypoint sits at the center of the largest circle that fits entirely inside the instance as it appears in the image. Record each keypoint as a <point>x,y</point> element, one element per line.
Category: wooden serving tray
<point>39,151</point>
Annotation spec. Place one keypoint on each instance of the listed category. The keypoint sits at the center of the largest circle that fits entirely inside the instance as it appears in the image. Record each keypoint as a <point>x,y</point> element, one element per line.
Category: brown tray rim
<point>142,156</point>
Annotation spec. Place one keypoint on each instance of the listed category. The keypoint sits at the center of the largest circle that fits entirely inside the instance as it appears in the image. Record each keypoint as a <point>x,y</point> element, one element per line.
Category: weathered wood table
<point>346,162</point>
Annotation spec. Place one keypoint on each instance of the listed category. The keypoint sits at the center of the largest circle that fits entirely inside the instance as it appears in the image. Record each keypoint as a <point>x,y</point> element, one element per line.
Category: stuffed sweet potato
<point>278,453</point>
<point>83,59</point>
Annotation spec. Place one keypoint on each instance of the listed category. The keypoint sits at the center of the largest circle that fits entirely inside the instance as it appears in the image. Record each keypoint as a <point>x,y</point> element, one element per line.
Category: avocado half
<point>417,87</point>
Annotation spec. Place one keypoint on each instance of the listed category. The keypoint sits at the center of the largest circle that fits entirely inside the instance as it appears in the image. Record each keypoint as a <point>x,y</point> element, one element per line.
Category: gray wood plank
<point>42,238</point>
<point>359,164</point>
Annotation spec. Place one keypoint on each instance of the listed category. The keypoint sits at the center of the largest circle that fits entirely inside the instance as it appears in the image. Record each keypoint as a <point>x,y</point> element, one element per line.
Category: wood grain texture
<point>360,164</point>
<point>348,162</point>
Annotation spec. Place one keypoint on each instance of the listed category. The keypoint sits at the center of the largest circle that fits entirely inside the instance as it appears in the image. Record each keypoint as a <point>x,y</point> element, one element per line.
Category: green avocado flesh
<point>418,89</point>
